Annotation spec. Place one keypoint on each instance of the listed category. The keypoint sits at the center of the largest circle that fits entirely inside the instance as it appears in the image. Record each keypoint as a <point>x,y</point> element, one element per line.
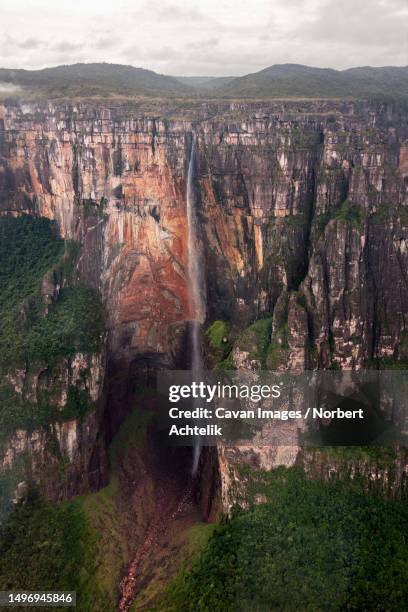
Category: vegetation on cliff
<point>40,327</point>
<point>346,211</point>
<point>278,350</point>
<point>29,247</point>
<point>45,546</point>
<point>74,322</point>
<point>219,344</point>
<point>254,339</point>
<point>310,546</point>
<point>30,332</point>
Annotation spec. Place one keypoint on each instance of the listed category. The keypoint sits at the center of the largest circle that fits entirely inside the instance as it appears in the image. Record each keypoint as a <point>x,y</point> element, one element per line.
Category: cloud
<point>175,13</point>
<point>198,45</point>
<point>106,42</point>
<point>65,46</point>
<point>215,37</point>
<point>359,23</point>
<point>29,43</point>
<point>172,12</point>
<point>9,88</point>
<point>350,33</point>
<point>165,52</point>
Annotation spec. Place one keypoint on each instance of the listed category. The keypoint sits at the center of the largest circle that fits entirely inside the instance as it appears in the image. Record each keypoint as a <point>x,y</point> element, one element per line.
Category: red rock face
<point>114,188</point>
<point>267,174</point>
<point>146,242</point>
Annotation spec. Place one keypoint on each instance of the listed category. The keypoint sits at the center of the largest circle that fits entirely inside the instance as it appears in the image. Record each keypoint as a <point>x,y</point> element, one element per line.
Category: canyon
<point>302,208</point>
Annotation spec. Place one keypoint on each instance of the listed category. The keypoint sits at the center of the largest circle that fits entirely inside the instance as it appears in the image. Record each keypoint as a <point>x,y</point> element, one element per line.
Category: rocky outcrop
<point>379,470</point>
<point>65,452</point>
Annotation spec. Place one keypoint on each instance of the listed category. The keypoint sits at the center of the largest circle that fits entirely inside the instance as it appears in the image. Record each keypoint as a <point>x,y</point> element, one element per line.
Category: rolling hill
<point>278,81</point>
<point>94,80</point>
<point>295,80</point>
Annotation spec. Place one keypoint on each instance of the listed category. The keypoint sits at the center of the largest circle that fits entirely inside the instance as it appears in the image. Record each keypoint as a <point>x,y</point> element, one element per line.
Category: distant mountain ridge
<point>277,81</point>
<point>205,83</point>
<point>94,79</point>
<point>294,80</point>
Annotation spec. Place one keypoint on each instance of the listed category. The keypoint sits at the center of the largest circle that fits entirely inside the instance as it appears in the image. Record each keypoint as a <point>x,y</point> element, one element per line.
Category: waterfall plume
<point>196,292</point>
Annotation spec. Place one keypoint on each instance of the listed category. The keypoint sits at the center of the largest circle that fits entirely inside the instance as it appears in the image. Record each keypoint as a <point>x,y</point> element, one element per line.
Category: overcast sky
<point>206,37</point>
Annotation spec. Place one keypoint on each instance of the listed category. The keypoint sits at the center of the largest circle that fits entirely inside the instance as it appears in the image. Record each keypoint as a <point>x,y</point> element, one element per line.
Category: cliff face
<point>303,213</point>
<point>117,188</point>
<point>66,456</point>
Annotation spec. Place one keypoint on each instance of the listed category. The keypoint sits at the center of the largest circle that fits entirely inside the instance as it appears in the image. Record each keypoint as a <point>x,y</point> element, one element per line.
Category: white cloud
<point>207,37</point>
<point>8,88</point>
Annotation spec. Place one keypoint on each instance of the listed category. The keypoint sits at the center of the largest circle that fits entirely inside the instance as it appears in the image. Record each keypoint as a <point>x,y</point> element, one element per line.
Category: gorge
<point>297,212</point>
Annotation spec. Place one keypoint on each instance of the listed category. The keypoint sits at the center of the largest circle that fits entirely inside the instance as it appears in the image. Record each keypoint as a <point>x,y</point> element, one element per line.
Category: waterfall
<point>196,286</point>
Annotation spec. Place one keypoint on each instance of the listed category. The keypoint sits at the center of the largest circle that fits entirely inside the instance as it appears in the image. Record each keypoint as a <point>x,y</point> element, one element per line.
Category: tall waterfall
<point>196,285</point>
